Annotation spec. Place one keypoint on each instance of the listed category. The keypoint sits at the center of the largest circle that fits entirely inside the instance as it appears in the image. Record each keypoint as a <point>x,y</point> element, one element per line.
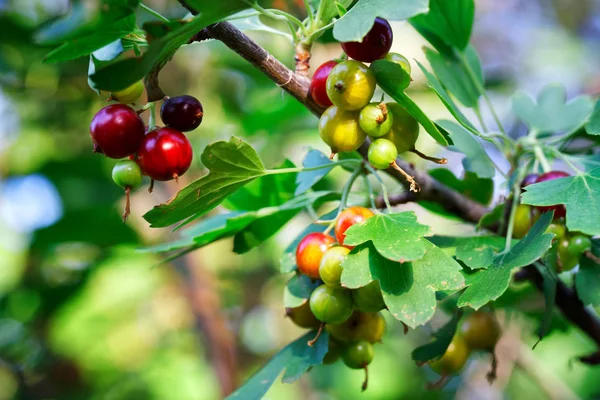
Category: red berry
<point>309,252</point>
<point>559,210</point>
<point>318,85</point>
<point>182,112</point>
<point>529,180</point>
<point>374,46</point>
<point>116,131</point>
<point>165,154</point>
<point>349,217</point>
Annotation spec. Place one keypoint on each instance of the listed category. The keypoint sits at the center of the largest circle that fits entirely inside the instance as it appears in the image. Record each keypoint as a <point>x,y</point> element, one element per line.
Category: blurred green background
<point>85,315</point>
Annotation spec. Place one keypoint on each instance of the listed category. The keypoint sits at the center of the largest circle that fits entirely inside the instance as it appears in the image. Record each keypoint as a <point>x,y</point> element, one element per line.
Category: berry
<point>382,153</point>
<point>350,85</point>
<point>453,359</point>
<point>523,221</point>
<point>330,267</point>
<point>330,305</point>
<point>578,244</point>
<point>116,131</point>
<point>401,60</point>
<point>318,84</point>
<point>129,94</point>
<point>405,129</point>
<point>567,261</point>
<point>358,355</point>
<point>334,351</point>
<point>349,217</point>
<point>339,129</point>
<point>368,298</point>
<point>529,180</point>
<point>559,210</point>
<point>165,154</point>
<point>374,46</point>
<point>558,230</point>
<point>481,331</point>
<point>302,316</point>
<point>127,174</point>
<point>375,119</point>
<point>309,252</point>
<point>183,113</point>
<point>360,326</point>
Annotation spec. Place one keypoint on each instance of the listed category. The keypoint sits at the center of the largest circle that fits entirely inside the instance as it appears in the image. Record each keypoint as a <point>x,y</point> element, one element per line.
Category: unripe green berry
<point>129,94</point>
<point>375,119</point>
<point>382,153</point>
<point>330,305</point>
<point>127,174</point>
<point>330,268</point>
<point>358,355</point>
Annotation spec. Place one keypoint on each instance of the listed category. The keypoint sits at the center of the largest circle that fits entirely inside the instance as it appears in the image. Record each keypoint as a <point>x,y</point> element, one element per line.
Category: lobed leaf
<point>479,189</point>
<point>307,179</point>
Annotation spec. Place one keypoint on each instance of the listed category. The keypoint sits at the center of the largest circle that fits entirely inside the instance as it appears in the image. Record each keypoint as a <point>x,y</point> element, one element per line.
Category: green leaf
<point>330,9</point>
<point>266,191</point>
<point>391,73</point>
<point>358,21</point>
<point>593,125</point>
<point>295,359</point>
<point>85,17</point>
<point>245,21</point>
<point>479,189</point>
<point>454,76</point>
<point>580,194</point>
<point>477,160</point>
<point>397,237</point>
<point>298,290</point>
<point>124,73</point>
<point>103,56</point>
<point>307,179</point>
<point>488,284</point>
<point>437,87</point>
<point>440,343</point>
<point>388,84</point>
<point>587,281</point>
<point>408,288</point>
<point>232,164</point>
<point>491,218</point>
<point>474,251</point>
<point>552,113</point>
<point>83,46</point>
<point>448,23</point>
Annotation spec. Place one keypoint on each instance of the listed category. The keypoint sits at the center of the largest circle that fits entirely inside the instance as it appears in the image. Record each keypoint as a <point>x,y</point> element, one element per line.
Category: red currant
<point>165,154</point>
<point>310,251</point>
<point>117,131</point>
<point>374,46</point>
<point>183,113</point>
<point>559,210</point>
<point>349,217</point>
<point>529,180</point>
<point>318,85</point>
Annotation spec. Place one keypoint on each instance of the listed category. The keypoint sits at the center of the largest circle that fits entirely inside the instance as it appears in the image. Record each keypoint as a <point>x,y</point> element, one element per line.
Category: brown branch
<point>431,189</point>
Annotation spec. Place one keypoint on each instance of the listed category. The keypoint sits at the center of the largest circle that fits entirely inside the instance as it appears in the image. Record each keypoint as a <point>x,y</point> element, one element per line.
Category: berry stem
<point>414,186</point>
<point>152,117</point>
<point>429,158</point>
<point>348,187</point>
<point>151,188</point>
<point>384,191</point>
<point>592,256</point>
<point>127,204</point>
<point>312,342</point>
<point>493,372</point>
<point>366,381</point>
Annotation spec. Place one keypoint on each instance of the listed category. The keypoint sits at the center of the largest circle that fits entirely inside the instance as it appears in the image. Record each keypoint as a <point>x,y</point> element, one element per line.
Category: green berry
<point>579,244</point>
<point>399,59</point>
<point>129,94</point>
<point>127,174</point>
<point>405,129</point>
<point>330,305</point>
<point>375,120</point>
<point>368,298</point>
<point>330,269</point>
<point>358,355</point>
<point>382,153</point>
<point>350,85</point>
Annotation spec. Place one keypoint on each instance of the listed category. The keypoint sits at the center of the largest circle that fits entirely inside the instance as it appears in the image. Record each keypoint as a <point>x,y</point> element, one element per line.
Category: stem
<point>348,187</point>
<point>154,13</point>
<point>152,117</point>
<point>429,158</point>
<point>312,342</point>
<point>477,111</point>
<point>513,213</point>
<point>315,168</point>
<point>384,191</point>
<point>539,155</point>
<point>309,12</point>
<point>127,204</point>
<point>371,193</point>
<point>278,15</point>
<point>481,90</point>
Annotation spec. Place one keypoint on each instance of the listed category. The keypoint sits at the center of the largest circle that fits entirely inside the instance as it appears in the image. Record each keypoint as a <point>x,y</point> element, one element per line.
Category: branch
<point>431,189</point>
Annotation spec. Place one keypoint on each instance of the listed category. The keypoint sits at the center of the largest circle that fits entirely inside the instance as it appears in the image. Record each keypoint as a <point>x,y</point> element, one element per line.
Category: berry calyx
<point>523,221</point>
<point>481,331</point>
<point>128,175</point>
<point>347,218</point>
<point>330,267</point>
<point>559,210</point>
<point>340,130</point>
<point>302,316</point>
<point>350,85</point>
<point>401,60</point>
<point>374,46</point>
<point>183,113</point>
<point>360,326</point>
<point>309,252</point>
<point>382,153</point>
<point>453,359</point>
<point>331,305</point>
<point>368,298</point>
<point>405,129</point>
<point>375,119</point>
<point>130,94</point>
<point>117,131</point>
<point>165,154</point>
<point>318,84</point>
